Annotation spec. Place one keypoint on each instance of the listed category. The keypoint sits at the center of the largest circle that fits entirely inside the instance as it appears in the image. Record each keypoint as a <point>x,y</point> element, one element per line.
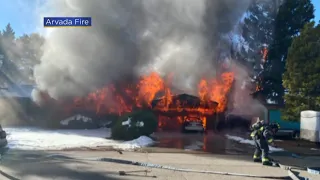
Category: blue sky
<point>21,14</point>
<point>23,17</point>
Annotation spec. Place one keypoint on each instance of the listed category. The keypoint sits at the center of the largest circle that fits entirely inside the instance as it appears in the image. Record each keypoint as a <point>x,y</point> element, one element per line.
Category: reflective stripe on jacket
<point>257,132</point>
<point>263,132</point>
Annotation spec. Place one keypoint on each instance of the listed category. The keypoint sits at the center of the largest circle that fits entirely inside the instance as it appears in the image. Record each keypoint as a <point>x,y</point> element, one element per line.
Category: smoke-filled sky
<point>131,38</point>
<point>127,38</point>
<point>14,10</point>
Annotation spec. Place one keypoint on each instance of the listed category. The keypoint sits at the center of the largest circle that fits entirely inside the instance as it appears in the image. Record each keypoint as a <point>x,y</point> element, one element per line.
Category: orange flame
<point>264,53</point>
<point>114,100</point>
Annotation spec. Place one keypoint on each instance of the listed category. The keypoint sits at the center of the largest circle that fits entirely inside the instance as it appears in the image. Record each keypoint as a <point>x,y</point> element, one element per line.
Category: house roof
<point>186,99</point>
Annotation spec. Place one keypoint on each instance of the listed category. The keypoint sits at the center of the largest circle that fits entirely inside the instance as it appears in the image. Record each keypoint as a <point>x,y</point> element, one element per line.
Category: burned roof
<point>187,100</point>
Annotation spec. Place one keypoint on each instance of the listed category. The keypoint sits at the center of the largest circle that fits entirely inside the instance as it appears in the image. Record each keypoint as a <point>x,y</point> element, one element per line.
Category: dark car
<point>193,125</point>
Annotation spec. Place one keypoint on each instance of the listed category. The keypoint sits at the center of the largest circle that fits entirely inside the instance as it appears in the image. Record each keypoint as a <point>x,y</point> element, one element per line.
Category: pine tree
<point>302,78</point>
<point>291,18</point>
<point>9,70</point>
<point>8,34</point>
<point>7,41</point>
<point>30,48</point>
<point>257,32</point>
<point>257,28</point>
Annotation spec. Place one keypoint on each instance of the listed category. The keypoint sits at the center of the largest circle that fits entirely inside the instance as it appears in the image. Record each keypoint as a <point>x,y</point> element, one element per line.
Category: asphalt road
<point>34,165</point>
<point>212,152</point>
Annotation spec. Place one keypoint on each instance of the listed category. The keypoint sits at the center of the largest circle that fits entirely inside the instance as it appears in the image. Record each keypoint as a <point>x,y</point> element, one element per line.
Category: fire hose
<point>150,165</point>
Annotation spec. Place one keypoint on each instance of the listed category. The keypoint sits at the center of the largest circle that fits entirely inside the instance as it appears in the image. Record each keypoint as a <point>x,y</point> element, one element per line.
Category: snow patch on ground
<point>251,142</point>
<point>142,141</point>
<point>40,139</point>
<point>77,117</point>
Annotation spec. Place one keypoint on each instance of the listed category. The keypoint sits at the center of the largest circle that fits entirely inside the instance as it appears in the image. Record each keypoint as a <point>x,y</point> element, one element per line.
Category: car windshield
<point>193,120</point>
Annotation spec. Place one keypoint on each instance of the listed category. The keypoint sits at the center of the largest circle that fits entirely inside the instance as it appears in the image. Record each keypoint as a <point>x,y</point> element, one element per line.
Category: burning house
<point>153,92</point>
<point>184,107</point>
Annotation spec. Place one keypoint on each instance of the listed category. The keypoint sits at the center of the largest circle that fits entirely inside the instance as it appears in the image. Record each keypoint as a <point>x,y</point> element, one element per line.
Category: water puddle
<point>212,143</point>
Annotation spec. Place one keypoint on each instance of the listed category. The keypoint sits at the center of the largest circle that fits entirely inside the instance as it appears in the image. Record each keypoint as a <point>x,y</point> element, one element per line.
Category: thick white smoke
<point>132,37</point>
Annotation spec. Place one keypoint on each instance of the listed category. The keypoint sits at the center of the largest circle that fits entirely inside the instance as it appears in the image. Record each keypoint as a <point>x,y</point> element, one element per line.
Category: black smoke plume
<point>129,38</point>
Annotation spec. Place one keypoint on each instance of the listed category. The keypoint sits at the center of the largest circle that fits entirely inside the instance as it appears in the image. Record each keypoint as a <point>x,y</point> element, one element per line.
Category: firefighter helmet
<point>275,126</point>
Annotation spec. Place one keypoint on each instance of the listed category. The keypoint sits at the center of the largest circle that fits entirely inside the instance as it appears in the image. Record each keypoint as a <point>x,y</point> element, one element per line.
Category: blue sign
<point>67,22</point>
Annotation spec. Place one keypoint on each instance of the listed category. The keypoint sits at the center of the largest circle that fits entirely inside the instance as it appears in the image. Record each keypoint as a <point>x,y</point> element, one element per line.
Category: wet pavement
<point>300,147</point>
<point>210,142</point>
<point>216,153</point>
<point>218,143</point>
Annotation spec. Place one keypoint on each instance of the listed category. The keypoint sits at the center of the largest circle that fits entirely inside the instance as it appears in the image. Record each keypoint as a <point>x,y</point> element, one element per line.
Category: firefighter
<point>258,123</point>
<point>263,136</point>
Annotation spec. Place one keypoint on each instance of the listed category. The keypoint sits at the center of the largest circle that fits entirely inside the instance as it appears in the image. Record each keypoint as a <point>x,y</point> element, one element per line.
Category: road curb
<point>313,170</point>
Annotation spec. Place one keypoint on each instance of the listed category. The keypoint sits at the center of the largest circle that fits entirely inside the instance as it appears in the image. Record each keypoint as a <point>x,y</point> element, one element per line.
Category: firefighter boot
<point>274,162</point>
<point>266,162</point>
<point>256,158</point>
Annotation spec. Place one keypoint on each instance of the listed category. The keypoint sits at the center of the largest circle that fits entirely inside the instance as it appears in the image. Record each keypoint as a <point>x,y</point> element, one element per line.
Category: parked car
<point>194,125</point>
<point>3,138</point>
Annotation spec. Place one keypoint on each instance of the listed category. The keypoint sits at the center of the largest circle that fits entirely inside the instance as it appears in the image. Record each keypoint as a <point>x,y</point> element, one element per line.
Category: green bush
<point>135,130</point>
